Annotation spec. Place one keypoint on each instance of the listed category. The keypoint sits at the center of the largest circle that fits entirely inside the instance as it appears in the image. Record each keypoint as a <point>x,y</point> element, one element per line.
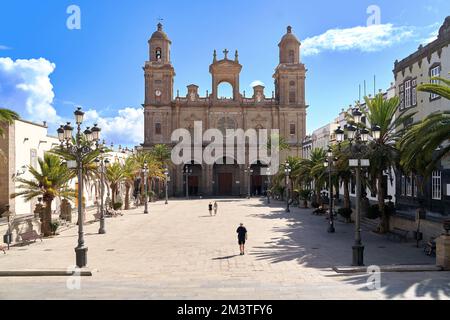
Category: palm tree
<point>7,117</point>
<point>90,167</point>
<point>130,171</point>
<point>313,170</point>
<point>343,172</point>
<point>115,176</point>
<point>161,153</point>
<point>49,182</point>
<point>420,142</point>
<point>383,152</point>
<point>442,90</point>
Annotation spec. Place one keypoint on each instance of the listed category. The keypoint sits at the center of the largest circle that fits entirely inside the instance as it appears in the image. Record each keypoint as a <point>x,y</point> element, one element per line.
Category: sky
<point>48,69</point>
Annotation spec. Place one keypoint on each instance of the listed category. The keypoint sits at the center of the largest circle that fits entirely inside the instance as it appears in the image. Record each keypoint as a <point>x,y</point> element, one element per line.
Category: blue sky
<point>100,66</point>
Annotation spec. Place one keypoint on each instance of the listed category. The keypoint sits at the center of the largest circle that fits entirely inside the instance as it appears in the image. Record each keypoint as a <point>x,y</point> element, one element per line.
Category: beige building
<point>285,110</point>
<point>23,144</point>
<point>428,61</point>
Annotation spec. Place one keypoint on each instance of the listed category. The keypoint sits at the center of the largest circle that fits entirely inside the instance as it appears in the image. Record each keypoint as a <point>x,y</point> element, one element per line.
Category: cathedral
<point>284,109</point>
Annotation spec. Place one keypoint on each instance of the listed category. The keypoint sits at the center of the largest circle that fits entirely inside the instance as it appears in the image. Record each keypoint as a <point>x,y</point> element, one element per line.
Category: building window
<point>435,72</point>
<point>408,94</point>
<point>402,96</point>
<point>403,185</point>
<point>158,128</point>
<point>415,188</point>
<point>436,185</point>
<point>33,158</point>
<point>292,97</point>
<point>292,129</point>
<point>408,187</point>
<point>414,92</point>
<point>158,54</point>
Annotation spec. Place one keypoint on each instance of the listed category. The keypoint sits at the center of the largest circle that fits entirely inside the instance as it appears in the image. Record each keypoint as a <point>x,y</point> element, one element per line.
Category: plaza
<point>179,251</point>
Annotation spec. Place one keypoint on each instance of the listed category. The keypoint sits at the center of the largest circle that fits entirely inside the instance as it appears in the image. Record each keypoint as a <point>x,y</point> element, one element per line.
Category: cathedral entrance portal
<point>226,178</point>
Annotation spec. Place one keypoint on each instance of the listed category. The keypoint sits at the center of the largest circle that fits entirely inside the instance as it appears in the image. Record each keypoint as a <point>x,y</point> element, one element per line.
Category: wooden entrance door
<point>225,184</point>
<point>193,185</point>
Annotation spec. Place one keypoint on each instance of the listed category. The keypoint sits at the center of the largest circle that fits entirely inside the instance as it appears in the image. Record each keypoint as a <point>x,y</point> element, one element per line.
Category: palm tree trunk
<point>384,225</point>
<point>127,196</point>
<point>46,229</point>
<point>346,195</point>
<point>318,197</point>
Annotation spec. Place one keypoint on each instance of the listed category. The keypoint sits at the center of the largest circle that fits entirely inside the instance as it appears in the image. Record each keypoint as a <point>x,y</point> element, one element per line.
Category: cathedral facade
<point>284,109</point>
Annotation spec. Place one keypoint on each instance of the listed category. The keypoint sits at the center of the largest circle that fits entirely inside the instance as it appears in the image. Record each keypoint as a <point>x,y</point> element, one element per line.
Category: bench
<point>29,236</point>
<point>399,233</point>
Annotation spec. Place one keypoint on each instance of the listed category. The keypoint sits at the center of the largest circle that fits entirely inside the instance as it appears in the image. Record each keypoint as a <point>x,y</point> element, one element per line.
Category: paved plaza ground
<point>179,251</point>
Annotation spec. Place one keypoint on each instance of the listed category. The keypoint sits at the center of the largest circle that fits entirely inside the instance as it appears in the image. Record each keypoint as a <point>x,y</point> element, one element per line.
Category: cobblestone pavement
<point>179,251</point>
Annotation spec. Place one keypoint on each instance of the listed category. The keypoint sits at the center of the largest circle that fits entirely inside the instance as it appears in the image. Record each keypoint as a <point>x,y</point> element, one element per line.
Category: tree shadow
<point>305,240</point>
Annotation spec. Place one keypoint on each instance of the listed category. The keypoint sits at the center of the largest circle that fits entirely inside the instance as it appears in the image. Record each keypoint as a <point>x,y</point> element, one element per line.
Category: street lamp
<point>102,168</point>
<point>145,171</point>
<point>329,163</point>
<point>287,172</point>
<point>249,170</point>
<point>78,150</point>
<point>166,173</point>
<point>358,137</point>
<point>269,177</point>
<point>187,172</point>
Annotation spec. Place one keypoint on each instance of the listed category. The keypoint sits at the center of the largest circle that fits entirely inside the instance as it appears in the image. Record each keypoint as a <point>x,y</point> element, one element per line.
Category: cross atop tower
<point>226,53</point>
<point>160,20</point>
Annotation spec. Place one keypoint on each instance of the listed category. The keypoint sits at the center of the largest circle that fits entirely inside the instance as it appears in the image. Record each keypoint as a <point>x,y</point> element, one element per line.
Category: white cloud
<point>256,83</point>
<point>127,128</point>
<point>4,47</point>
<point>365,39</point>
<point>25,87</point>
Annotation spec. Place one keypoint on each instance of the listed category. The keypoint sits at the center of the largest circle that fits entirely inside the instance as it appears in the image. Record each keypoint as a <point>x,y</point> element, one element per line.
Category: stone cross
<point>226,53</point>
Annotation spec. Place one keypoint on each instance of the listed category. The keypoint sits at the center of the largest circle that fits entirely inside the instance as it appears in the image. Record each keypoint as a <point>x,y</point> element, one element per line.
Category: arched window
<point>291,56</point>
<point>292,83</point>
<point>224,91</point>
<point>158,54</point>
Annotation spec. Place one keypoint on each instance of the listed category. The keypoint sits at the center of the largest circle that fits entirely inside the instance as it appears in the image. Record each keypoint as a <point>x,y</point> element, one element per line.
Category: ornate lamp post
<point>166,173</point>
<point>249,171</point>
<point>358,137</point>
<point>102,168</point>
<point>187,172</point>
<point>145,171</point>
<point>76,149</point>
<point>329,164</point>
<point>287,172</point>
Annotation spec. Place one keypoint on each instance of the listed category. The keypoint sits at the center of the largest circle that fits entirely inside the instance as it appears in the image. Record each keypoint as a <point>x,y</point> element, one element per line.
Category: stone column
<point>443,252</point>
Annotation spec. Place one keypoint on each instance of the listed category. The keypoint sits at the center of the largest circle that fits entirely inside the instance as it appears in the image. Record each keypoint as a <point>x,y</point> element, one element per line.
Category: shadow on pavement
<point>305,240</point>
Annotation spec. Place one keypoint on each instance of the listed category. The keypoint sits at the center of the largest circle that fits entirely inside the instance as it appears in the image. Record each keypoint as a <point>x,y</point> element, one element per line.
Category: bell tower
<point>290,74</point>
<point>159,79</point>
<point>159,72</point>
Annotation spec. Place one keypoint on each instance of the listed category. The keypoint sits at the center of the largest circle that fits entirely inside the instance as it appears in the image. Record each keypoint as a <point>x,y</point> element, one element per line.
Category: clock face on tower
<point>158,93</point>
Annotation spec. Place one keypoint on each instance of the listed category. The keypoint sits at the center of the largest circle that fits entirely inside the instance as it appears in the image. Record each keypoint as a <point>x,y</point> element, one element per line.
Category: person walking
<point>210,208</point>
<point>242,238</point>
<point>216,207</point>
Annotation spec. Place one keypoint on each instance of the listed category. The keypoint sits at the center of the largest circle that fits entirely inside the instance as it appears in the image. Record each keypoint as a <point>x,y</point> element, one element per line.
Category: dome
<point>159,34</point>
<point>289,36</point>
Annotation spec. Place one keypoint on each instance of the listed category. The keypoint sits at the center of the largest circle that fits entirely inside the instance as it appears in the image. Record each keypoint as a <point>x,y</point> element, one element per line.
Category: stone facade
<point>284,110</point>
<point>428,61</point>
